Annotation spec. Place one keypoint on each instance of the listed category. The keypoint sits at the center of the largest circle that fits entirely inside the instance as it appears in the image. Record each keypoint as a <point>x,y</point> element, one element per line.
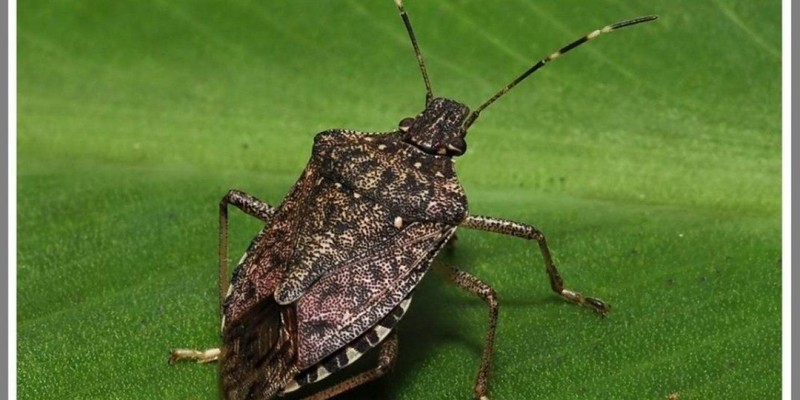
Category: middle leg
<point>475,286</point>
<point>506,227</point>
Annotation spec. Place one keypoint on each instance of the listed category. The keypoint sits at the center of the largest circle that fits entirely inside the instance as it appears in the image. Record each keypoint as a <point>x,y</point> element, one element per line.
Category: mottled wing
<point>346,247</point>
<point>351,298</point>
<point>259,336</point>
<point>382,210</point>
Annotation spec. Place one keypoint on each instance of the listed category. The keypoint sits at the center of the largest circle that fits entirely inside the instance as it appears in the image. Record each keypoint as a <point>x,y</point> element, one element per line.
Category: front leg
<point>250,206</point>
<point>506,227</point>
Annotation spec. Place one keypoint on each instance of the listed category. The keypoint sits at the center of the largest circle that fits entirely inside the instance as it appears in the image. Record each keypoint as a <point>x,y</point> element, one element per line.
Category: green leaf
<point>650,158</point>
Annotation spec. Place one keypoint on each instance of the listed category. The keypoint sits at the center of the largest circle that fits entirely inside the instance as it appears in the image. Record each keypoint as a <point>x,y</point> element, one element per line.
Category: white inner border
<point>786,200</point>
<point>12,199</point>
<point>786,288</point>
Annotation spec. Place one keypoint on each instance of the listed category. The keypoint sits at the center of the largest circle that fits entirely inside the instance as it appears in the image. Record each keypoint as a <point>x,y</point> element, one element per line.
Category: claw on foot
<point>599,306</point>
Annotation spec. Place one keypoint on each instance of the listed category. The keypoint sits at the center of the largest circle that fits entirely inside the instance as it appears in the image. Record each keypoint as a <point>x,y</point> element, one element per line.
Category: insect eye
<point>405,124</point>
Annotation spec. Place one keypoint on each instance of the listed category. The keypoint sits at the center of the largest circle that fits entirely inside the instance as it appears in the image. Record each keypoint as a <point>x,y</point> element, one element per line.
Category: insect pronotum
<point>335,266</point>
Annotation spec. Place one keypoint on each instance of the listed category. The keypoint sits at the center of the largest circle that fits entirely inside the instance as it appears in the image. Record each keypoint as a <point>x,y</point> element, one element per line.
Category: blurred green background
<point>650,158</point>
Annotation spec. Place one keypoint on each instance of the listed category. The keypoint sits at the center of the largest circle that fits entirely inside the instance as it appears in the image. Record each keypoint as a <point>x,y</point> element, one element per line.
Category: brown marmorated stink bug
<point>334,268</point>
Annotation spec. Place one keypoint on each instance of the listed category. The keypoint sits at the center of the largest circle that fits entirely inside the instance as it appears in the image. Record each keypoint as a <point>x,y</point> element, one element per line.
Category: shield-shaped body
<point>333,271</point>
<point>335,267</point>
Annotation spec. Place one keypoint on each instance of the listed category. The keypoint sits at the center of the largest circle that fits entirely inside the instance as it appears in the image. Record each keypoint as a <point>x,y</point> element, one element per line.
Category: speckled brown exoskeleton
<point>335,267</point>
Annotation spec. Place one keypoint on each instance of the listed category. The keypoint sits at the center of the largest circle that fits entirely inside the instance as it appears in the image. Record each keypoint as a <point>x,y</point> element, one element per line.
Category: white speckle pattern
<point>351,352</point>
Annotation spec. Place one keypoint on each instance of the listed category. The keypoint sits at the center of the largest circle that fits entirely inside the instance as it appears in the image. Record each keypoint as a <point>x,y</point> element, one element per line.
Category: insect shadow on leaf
<point>335,266</point>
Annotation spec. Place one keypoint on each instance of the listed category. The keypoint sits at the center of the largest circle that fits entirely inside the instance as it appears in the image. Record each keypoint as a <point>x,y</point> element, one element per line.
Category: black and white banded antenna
<point>608,28</point>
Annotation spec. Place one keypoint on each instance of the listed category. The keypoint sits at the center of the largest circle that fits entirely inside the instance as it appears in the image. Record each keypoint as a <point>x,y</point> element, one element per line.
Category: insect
<point>335,267</point>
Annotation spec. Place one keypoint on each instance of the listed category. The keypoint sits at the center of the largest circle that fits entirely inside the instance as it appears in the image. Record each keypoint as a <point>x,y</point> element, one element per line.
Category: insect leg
<point>474,285</point>
<point>194,355</point>
<point>251,206</point>
<point>506,227</point>
<point>386,359</point>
